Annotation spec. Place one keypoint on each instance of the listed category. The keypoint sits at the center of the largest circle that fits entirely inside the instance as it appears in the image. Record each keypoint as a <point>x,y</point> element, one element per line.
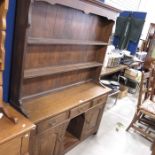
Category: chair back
<point>153,85</point>
<point>146,87</point>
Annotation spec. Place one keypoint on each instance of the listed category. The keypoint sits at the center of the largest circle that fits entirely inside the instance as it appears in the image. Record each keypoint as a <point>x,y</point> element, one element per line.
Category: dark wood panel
<point>45,56</point>
<point>43,84</point>
<point>66,23</point>
<point>88,6</point>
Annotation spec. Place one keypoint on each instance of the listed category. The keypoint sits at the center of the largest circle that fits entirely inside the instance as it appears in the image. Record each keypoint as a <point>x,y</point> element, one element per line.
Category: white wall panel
<point>149,7</point>
<point>131,5</point>
<point>137,5</point>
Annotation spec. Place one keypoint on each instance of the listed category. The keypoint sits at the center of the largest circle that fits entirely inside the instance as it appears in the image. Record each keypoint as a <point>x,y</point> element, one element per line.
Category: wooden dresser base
<point>66,118</point>
<point>14,138</point>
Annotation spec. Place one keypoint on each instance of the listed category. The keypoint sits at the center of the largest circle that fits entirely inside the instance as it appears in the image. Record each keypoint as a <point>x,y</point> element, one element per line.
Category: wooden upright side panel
<point>21,25</point>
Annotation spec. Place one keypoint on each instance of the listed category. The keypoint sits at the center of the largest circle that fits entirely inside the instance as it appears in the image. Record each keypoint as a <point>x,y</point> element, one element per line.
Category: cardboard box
<point>133,74</point>
<point>123,91</point>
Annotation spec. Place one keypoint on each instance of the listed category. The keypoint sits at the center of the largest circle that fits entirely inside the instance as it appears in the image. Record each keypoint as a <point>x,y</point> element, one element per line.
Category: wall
<point>149,7</point>
<point>131,5</point>
<point>137,5</point>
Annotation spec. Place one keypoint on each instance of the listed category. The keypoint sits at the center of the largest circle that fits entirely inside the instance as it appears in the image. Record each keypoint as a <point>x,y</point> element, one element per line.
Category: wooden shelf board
<point>49,41</point>
<point>107,71</point>
<point>32,73</point>
<point>70,141</point>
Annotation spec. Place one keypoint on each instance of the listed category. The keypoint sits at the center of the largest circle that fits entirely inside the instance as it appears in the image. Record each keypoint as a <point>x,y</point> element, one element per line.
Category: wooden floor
<point>109,141</point>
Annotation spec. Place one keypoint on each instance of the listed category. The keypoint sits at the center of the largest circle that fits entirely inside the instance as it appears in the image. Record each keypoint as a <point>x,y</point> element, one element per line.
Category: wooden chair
<point>146,106</point>
<point>153,148</point>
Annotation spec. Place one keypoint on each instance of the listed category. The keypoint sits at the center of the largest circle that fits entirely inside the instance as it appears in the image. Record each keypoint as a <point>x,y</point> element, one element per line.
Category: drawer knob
<point>26,136</point>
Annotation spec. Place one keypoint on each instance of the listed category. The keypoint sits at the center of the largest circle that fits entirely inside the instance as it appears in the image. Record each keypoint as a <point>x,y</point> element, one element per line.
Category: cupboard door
<point>47,142</point>
<point>16,146</point>
<point>11,147</point>
<point>61,131</point>
<point>92,120</point>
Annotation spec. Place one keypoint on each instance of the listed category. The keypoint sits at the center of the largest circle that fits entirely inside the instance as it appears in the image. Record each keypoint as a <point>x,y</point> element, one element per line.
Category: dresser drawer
<point>51,122</point>
<point>80,109</point>
<point>99,100</point>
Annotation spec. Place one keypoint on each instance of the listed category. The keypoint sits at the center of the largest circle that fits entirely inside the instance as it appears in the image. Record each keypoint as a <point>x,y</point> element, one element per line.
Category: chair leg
<point>135,118</point>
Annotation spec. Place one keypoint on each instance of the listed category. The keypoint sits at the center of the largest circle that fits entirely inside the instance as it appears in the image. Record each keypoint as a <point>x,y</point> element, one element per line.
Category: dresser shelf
<point>38,72</point>
<point>69,141</point>
<point>49,41</point>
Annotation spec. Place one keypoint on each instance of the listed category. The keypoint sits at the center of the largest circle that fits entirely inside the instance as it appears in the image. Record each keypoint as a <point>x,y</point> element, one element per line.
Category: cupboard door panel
<point>92,120</point>
<point>61,130</point>
<point>47,141</point>
<point>11,147</point>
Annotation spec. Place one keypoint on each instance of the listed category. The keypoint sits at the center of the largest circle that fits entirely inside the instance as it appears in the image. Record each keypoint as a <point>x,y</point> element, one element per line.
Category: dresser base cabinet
<point>60,139</point>
<point>72,123</point>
